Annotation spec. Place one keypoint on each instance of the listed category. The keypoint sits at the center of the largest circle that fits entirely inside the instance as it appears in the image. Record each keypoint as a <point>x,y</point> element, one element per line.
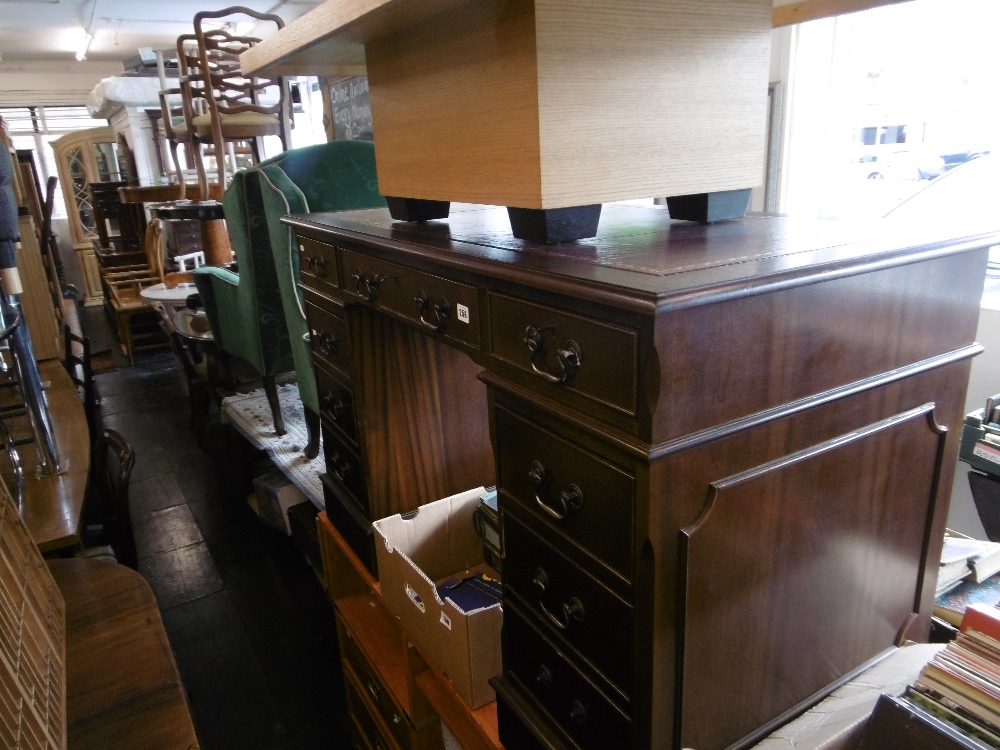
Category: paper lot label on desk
<point>987,453</point>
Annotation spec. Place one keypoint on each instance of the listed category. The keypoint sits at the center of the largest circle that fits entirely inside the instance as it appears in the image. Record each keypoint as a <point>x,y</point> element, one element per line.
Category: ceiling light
<point>81,51</point>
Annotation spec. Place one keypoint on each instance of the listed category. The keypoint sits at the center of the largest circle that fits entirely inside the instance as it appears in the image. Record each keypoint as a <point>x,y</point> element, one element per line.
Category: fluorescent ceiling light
<point>81,51</point>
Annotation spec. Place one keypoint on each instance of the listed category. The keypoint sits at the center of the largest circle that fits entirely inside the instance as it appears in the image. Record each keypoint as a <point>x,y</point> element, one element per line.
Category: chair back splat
<point>240,107</point>
<point>113,461</point>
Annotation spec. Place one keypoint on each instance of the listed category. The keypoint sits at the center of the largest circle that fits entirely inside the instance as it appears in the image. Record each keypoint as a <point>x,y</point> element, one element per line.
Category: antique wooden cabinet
<point>83,157</point>
<point>723,451</point>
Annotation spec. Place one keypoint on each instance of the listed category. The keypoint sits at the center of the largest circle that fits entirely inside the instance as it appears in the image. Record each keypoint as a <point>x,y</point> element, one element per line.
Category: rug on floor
<point>250,415</point>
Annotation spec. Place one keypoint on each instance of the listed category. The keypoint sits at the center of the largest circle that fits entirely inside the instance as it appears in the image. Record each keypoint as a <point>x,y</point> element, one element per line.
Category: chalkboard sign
<point>352,110</point>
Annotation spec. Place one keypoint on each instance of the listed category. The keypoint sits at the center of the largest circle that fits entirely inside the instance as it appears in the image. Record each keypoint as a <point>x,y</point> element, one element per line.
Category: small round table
<point>168,301</point>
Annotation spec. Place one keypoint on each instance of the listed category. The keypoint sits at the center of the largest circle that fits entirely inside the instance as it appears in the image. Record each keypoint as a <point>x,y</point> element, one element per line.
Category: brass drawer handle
<point>367,286</point>
<point>570,357</point>
<point>339,466</point>
<point>544,676</point>
<point>442,311</point>
<point>577,712</point>
<point>570,499</point>
<point>317,265</point>
<point>333,405</point>
<point>329,344</point>
<point>373,687</point>
<point>572,611</point>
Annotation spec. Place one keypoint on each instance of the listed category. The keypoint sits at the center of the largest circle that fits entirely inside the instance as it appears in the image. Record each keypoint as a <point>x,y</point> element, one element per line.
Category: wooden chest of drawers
<point>721,450</point>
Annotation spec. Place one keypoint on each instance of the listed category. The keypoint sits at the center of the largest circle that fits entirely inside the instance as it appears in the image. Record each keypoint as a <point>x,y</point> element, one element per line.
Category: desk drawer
<point>336,404</point>
<point>596,360</point>
<point>318,265</point>
<point>570,699</point>
<point>577,493</point>
<point>343,467</point>
<point>368,682</point>
<point>365,725</point>
<point>330,338</point>
<point>572,605</point>
<point>435,304</point>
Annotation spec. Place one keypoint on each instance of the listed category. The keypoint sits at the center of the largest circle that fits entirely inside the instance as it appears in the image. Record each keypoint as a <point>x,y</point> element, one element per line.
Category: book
<point>952,605</point>
<point>983,619</point>
<point>983,557</point>
<point>953,713</point>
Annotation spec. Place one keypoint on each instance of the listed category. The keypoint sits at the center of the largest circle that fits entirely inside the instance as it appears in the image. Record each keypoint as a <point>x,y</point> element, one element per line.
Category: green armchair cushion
<point>245,311</point>
<point>327,177</point>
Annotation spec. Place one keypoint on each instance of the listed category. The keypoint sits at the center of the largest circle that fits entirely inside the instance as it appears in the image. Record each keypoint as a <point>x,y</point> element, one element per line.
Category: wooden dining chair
<point>237,111</point>
<point>178,106</point>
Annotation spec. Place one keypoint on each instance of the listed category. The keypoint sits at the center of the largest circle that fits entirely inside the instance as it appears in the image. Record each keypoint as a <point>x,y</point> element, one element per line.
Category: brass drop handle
<point>328,343</point>
<point>541,580</point>
<point>442,311</point>
<point>335,406</point>
<point>367,286</point>
<point>570,356</point>
<point>317,265</point>
<point>544,676</point>
<point>572,611</point>
<point>338,465</point>
<point>570,500</point>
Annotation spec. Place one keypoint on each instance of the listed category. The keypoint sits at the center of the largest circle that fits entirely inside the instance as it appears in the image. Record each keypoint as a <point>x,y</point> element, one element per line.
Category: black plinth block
<point>708,207</point>
<point>415,209</point>
<point>551,225</point>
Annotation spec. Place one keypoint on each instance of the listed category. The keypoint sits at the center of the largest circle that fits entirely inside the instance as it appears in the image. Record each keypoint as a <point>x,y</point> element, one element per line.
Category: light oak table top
<point>53,506</point>
<point>330,38</point>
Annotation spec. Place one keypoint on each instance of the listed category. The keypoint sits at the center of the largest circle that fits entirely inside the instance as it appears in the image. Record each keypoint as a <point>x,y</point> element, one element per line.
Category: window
<point>884,101</point>
<point>33,128</point>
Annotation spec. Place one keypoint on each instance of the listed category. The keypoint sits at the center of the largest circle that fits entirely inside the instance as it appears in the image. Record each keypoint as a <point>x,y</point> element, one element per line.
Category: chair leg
<point>177,167</point>
<point>312,426</point>
<point>271,389</point>
<point>199,165</point>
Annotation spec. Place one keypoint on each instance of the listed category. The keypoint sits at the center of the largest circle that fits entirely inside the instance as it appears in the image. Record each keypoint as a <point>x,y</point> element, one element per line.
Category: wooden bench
<point>84,658</point>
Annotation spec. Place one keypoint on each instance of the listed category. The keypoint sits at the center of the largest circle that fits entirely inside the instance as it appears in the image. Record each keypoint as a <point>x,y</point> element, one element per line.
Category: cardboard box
<point>275,495</point>
<point>415,553</point>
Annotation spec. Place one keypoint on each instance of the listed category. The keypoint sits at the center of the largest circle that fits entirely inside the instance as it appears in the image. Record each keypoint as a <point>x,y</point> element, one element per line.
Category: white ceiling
<point>54,29</point>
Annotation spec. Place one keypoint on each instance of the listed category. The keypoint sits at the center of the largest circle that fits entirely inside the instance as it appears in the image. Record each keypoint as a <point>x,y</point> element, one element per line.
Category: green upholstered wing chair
<point>328,177</point>
<point>245,311</point>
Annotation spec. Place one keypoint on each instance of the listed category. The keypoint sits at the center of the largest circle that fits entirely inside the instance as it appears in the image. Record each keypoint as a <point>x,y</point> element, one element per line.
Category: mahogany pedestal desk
<point>722,451</point>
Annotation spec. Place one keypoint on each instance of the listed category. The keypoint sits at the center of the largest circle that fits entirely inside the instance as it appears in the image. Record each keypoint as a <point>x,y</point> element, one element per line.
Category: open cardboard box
<point>427,546</point>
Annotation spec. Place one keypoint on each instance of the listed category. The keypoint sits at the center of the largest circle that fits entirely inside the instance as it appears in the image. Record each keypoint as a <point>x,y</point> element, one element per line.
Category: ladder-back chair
<point>236,102</point>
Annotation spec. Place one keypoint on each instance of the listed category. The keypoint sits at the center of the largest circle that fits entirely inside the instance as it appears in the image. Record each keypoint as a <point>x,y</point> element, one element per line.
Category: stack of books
<point>961,685</point>
<point>964,558</point>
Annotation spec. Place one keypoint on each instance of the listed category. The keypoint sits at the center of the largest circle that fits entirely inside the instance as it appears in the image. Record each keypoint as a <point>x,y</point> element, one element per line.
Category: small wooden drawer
<point>571,604</point>
<point>579,494</point>
<point>375,660</point>
<point>330,338</point>
<point>343,466</point>
<point>435,304</point>
<point>569,698</point>
<point>598,361</point>
<point>318,265</point>
<point>336,404</point>
<point>366,728</point>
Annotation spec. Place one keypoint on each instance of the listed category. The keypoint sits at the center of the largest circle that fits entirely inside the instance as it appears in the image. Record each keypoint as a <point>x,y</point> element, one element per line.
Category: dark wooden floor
<point>249,623</point>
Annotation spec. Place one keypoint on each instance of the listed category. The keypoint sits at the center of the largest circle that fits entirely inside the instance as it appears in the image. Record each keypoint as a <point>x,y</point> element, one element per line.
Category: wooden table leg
<point>215,242</point>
